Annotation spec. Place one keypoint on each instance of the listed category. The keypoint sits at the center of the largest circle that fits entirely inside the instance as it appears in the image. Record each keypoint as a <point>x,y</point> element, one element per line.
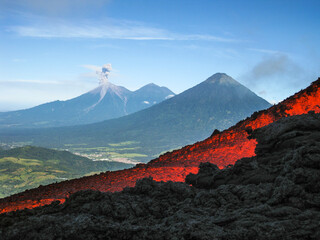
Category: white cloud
<point>92,67</point>
<point>31,81</point>
<point>42,27</point>
<point>206,38</point>
<point>65,30</point>
<point>264,50</point>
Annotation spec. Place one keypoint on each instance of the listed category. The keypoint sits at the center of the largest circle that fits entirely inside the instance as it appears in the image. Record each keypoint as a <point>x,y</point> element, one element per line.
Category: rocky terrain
<point>221,148</point>
<point>273,195</point>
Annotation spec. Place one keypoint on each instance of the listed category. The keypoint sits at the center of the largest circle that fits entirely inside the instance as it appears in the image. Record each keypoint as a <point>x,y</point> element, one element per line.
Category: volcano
<point>221,148</point>
<point>107,101</point>
<point>216,103</point>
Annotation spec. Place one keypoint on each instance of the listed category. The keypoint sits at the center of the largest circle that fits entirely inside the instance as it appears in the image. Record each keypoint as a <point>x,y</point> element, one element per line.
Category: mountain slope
<point>147,96</point>
<point>221,149</point>
<point>28,167</point>
<point>104,102</point>
<point>274,195</point>
<point>219,102</point>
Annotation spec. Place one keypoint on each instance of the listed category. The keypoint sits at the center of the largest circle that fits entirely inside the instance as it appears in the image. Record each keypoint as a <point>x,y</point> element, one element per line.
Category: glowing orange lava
<point>221,149</point>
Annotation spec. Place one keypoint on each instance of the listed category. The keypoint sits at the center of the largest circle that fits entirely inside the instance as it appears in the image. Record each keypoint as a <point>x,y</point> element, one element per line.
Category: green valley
<point>28,167</point>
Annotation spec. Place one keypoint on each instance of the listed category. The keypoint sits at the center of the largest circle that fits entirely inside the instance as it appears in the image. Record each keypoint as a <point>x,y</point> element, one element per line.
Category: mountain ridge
<point>104,102</point>
<point>183,119</point>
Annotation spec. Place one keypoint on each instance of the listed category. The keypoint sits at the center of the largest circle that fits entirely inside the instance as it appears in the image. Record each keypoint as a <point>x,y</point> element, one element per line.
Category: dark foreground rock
<point>275,195</point>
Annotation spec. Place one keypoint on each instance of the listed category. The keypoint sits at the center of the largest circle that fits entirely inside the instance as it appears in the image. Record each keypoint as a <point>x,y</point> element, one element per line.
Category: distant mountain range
<point>102,103</point>
<point>217,103</point>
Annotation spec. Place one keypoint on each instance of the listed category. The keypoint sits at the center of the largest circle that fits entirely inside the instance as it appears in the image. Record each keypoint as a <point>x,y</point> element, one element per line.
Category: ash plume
<point>104,74</point>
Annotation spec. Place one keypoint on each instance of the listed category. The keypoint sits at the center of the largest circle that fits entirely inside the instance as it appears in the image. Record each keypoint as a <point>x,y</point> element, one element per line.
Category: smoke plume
<point>278,65</point>
<point>104,74</point>
<point>276,77</point>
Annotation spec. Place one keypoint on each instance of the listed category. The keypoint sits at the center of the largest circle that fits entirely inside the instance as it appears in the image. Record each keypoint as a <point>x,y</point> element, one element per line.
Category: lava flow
<point>221,148</point>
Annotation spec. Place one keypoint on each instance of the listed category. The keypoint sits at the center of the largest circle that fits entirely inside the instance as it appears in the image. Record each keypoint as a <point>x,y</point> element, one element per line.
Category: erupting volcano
<point>107,101</point>
<point>221,148</point>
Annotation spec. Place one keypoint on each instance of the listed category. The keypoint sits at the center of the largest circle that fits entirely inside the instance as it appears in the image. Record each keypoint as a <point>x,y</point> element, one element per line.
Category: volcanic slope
<point>104,102</point>
<point>219,102</point>
<point>274,195</point>
<point>222,149</point>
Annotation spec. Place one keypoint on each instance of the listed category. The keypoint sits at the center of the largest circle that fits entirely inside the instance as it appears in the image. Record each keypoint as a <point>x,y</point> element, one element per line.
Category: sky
<point>51,50</point>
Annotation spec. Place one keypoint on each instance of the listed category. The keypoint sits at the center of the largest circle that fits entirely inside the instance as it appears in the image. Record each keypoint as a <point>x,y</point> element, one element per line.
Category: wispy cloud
<point>31,81</point>
<point>62,30</point>
<point>204,37</point>
<point>92,67</point>
<point>260,50</point>
<point>41,27</point>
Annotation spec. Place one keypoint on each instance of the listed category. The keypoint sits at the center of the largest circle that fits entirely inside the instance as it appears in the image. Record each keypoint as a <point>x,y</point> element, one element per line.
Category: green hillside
<point>28,167</point>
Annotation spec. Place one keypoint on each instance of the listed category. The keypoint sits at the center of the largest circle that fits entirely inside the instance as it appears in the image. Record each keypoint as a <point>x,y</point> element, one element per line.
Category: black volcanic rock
<point>105,102</point>
<point>274,195</point>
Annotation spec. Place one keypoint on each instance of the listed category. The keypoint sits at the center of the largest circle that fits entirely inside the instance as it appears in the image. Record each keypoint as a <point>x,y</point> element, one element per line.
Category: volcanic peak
<point>221,78</point>
<point>109,87</point>
<point>104,102</point>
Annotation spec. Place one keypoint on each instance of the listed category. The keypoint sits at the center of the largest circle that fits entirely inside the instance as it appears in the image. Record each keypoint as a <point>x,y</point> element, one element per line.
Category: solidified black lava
<point>274,195</point>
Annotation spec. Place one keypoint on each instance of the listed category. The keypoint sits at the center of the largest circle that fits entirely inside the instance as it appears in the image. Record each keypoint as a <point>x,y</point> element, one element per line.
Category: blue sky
<point>49,49</point>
